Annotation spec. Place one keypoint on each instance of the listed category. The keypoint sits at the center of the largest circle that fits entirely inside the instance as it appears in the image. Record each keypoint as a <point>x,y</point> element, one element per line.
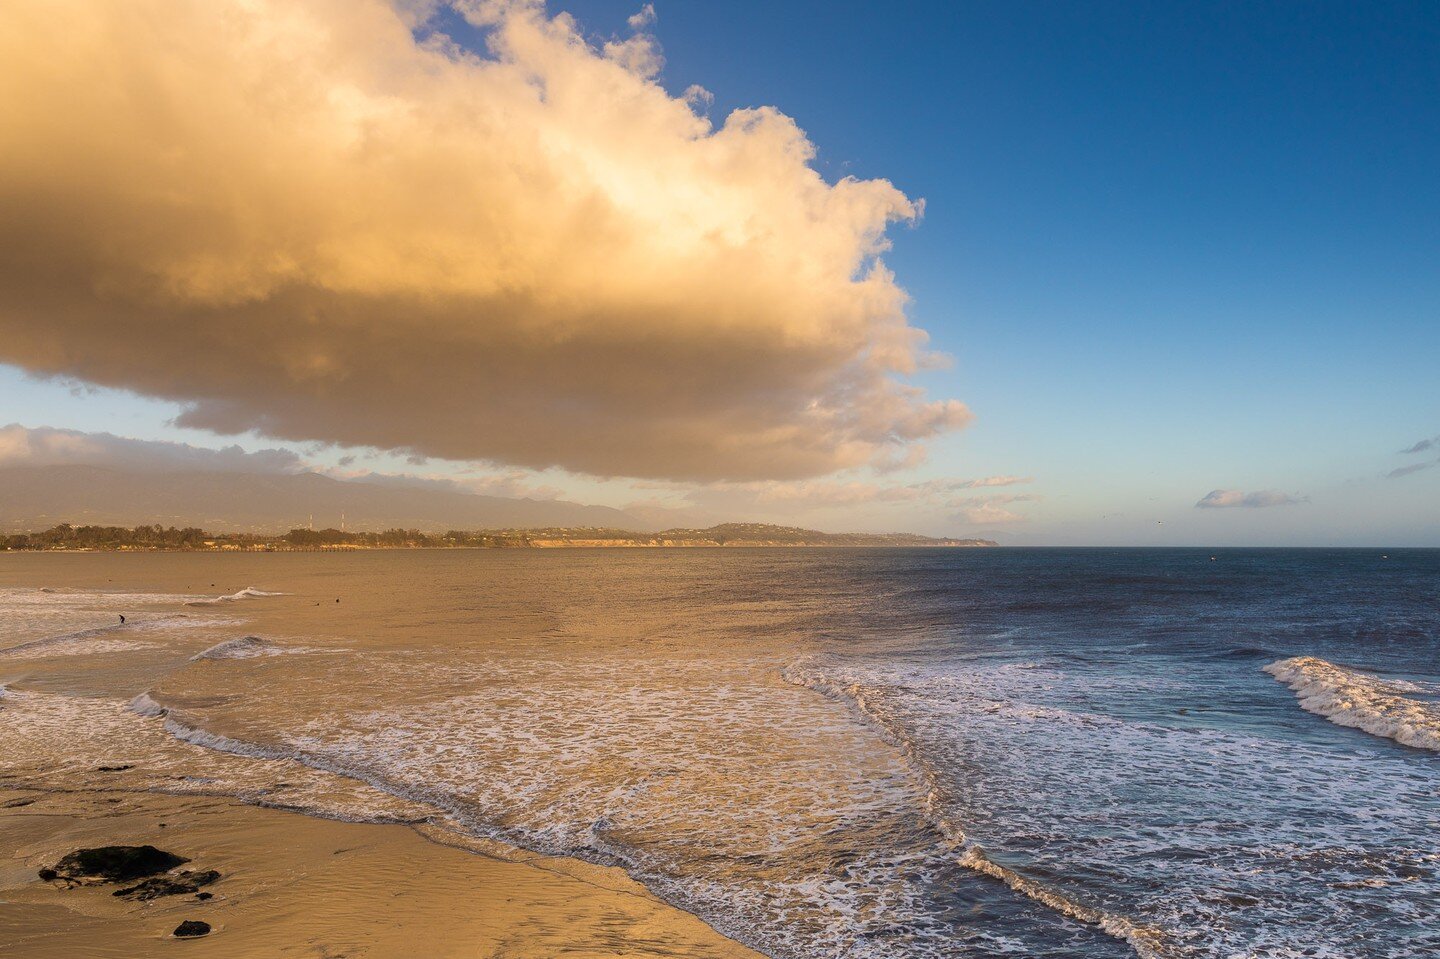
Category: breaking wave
<point>1148,942</point>
<point>143,705</point>
<point>248,647</point>
<point>1347,697</point>
<point>1145,940</point>
<point>249,592</point>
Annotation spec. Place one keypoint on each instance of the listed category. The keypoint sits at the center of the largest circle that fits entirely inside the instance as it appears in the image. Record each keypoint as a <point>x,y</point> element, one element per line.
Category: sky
<point>1053,273</point>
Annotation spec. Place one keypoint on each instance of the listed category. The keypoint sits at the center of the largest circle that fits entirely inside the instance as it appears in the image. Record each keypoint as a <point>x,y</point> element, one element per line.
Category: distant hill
<point>764,534</point>
<point>34,498</point>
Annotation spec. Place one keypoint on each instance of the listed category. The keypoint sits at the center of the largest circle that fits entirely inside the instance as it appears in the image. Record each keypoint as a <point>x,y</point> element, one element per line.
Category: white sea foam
<point>249,592</point>
<point>1148,942</point>
<point>582,759</point>
<point>1168,835</point>
<point>1348,697</point>
<point>50,741</point>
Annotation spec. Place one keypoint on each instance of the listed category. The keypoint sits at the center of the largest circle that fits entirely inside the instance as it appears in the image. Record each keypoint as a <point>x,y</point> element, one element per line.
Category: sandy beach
<point>294,885</point>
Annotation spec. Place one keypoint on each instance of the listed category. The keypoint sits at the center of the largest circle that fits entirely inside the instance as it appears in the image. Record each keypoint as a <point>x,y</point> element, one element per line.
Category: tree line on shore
<point>66,536</point>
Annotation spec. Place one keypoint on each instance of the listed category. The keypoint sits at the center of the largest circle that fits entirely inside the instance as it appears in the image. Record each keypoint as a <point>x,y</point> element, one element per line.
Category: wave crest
<point>1362,701</point>
<point>143,705</point>
<point>246,647</point>
<point>30,648</point>
<point>249,592</point>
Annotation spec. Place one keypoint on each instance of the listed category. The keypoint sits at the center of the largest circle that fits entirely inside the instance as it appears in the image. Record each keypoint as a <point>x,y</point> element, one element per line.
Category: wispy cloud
<point>46,446</point>
<point>1400,471</point>
<point>990,510</point>
<point>820,494</point>
<point>554,262</point>
<point>1432,444</point>
<point>512,484</point>
<point>989,481</point>
<point>842,503</point>
<point>1230,498</point>
<point>1423,446</point>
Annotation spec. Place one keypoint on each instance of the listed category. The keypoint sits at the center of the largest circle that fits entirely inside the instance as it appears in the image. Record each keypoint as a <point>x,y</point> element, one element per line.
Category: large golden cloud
<point>299,218</point>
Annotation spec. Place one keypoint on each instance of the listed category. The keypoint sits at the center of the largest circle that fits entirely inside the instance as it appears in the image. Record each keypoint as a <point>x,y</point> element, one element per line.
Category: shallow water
<point>822,753</point>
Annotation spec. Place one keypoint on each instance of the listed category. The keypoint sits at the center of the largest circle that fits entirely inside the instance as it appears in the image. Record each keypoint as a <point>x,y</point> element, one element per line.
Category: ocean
<point>822,753</point>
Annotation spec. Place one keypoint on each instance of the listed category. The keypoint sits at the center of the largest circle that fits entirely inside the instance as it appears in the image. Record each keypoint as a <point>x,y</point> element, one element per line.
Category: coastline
<point>295,884</point>
<point>92,538</point>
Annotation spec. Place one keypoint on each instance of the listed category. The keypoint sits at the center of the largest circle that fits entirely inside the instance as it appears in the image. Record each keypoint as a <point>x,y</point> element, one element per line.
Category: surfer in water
<point>122,619</point>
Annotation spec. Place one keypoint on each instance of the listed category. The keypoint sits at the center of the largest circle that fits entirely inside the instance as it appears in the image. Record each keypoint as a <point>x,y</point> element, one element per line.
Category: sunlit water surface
<point>1047,753</point>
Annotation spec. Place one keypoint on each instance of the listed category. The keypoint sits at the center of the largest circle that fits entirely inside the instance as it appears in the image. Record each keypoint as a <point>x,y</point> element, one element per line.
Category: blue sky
<point>1168,249</point>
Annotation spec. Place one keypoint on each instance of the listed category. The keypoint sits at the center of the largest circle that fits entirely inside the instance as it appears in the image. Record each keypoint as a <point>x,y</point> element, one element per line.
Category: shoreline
<point>298,884</point>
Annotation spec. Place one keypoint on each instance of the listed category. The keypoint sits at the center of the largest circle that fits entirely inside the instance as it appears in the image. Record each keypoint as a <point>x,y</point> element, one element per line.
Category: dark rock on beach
<point>117,863</point>
<point>192,928</point>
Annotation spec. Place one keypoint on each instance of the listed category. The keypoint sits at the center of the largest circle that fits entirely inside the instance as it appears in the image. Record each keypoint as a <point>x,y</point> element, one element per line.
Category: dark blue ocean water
<point>867,753</point>
<point>1098,723</point>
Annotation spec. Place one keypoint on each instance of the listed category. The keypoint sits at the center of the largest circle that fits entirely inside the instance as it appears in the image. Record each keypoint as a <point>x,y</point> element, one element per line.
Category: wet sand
<point>295,885</point>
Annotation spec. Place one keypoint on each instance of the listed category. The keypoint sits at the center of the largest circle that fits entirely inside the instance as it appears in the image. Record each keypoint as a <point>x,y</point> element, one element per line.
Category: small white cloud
<point>699,98</point>
<point>1228,498</point>
<point>642,18</point>
<point>994,481</point>
<point>988,513</point>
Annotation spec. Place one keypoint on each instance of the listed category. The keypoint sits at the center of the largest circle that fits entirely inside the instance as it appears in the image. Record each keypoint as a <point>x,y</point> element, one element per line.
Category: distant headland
<point>66,537</point>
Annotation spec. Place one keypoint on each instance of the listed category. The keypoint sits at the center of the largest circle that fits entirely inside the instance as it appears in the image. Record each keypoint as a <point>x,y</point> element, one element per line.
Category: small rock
<point>49,875</point>
<point>114,769</point>
<point>202,896</point>
<point>191,928</point>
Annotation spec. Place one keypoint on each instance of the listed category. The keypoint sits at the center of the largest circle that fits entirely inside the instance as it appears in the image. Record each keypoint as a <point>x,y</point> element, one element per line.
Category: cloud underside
<point>300,219</point>
<point>783,500</point>
<point>1234,498</point>
<point>47,446</point>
